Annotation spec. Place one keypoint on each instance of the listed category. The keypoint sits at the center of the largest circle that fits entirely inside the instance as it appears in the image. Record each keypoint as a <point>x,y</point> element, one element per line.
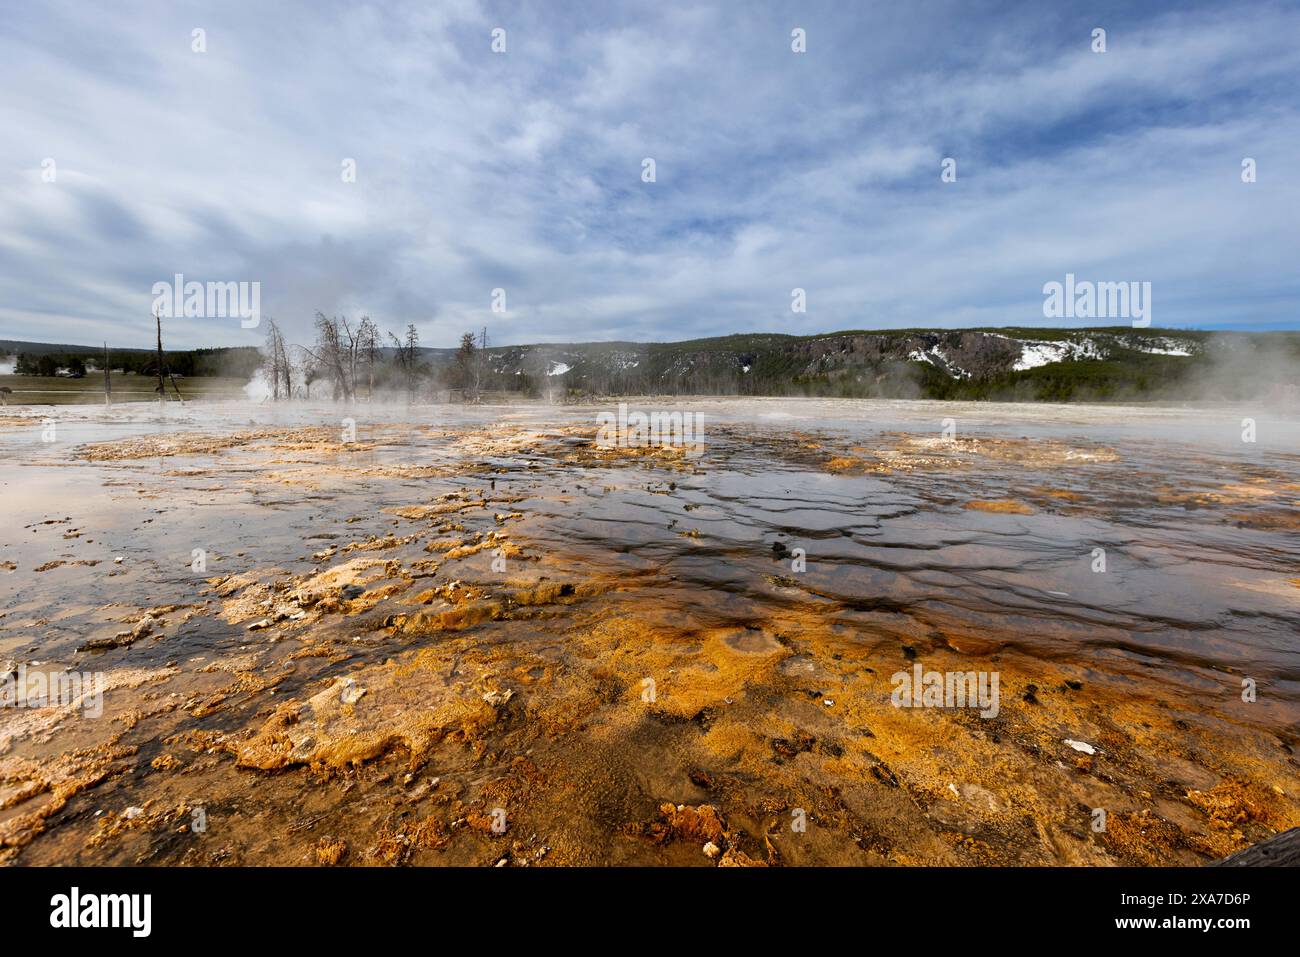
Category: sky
<point>128,156</point>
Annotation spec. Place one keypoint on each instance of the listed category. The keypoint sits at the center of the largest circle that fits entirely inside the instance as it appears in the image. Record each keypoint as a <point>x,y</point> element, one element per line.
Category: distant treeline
<point>356,360</point>
<point>46,360</point>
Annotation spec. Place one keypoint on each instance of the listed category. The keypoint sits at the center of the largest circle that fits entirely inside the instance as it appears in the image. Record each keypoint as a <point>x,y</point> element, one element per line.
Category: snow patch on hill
<point>935,356</point>
<point>1162,347</point>
<point>1034,353</point>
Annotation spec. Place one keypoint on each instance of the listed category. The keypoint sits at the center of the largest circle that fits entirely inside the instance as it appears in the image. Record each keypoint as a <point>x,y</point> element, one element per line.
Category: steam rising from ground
<point>258,389</point>
<point>1241,367</point>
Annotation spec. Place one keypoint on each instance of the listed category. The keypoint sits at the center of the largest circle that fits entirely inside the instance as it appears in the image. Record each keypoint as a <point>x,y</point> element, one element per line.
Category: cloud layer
<point>522,170</point>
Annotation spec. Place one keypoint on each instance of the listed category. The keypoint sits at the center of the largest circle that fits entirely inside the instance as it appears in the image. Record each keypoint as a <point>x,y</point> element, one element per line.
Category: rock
<point>982,798</point>
<point>498,698</point>
<point>283,612</point>
<point>697,824</point>
<point>735,858</point>
<point>121,640</point>
<point>423,789</point>
<point>711,850</point>
<point>701,778</point>
<point>352,692</point>
<point>1081,746</point>
<point>259,625</point>
<point>798,666</point>
<point>132,813</point>
<point>329,853</point>
<point>791,747</point>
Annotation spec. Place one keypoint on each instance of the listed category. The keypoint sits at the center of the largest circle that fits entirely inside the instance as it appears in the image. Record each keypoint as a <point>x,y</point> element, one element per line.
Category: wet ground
<point>474,636</point>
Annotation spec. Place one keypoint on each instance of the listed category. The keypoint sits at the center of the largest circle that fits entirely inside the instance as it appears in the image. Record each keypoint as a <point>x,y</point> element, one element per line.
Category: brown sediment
<point>449,504</point>
<point>328,730</point>
<point>37,725</point>
<point>156,446</point>
<point>59,563</point>
<point>1232,804</point>
<point>330,853</point>
<point>844,463</point>
<point>1003,506</point>
<point>329,585</point>
<point>44,789</point>
<point>1060,493</point>
<point>300,439</point>
<point>934,453</point>
<point>729,713</point>
<point>1271,519</point>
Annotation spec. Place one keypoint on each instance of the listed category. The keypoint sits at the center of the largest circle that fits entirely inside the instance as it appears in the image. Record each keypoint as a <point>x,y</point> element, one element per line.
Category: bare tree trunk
<point>288,371</point>
<point>162,391</point>
<point>108,384</point>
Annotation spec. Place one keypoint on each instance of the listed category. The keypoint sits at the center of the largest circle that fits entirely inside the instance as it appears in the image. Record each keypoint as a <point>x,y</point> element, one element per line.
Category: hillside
<point>1001,364</point>
<point>1007,364</point>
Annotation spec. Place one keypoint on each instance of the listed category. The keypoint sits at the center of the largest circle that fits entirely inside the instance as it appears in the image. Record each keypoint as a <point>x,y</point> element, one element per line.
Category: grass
<point>58,390</point>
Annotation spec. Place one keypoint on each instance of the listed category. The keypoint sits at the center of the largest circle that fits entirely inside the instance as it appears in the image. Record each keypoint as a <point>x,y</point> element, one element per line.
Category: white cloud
<point>522,171</point>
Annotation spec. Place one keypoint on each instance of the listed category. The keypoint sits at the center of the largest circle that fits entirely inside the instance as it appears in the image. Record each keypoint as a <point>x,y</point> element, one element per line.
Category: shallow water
<point>973,549</point>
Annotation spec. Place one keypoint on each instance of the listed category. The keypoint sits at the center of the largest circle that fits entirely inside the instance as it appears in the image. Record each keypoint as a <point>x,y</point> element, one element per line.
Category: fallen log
<point>1280,850</point>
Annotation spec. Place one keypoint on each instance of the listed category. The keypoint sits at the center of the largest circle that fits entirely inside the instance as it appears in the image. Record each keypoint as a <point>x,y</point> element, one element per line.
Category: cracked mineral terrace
<point>480,636</point>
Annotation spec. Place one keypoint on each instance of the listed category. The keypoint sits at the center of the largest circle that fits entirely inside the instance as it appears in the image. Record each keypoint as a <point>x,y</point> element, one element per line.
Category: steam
<point>8,364</point>
<point>258,389</point>
<point>1262,367</point>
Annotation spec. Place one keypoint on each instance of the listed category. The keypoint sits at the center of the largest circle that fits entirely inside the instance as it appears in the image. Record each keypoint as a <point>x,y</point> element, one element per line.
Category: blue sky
<point>522,170</point>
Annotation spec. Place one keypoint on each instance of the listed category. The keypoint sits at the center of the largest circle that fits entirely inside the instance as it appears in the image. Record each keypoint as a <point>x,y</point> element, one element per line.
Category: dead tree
<point>368,345</point>
<point>162,394</point>
<point>482,357</point>
<point>275,363</point>
<point>335,353</point>
<point>162,389</point>
<point>406,357</point>
<point>466,359</point>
